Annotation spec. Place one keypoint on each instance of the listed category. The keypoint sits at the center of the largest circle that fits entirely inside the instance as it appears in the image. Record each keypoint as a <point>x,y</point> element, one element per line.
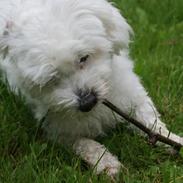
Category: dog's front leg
<point>97,156</point>
<point>131,97</point>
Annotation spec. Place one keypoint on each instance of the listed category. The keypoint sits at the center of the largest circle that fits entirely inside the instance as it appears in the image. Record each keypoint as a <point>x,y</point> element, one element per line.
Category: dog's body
<point>65,57</point>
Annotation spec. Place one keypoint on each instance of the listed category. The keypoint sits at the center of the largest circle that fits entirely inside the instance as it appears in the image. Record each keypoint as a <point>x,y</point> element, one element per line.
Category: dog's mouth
<point>87,100</point>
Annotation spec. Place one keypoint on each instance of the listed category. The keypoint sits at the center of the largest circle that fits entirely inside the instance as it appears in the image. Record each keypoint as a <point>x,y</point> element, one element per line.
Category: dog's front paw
<point>112,171</point>
<point>97,156</point>
<point>108,164</point>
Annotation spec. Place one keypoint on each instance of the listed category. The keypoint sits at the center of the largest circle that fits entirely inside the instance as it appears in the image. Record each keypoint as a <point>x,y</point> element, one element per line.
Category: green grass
<point>26,157</point>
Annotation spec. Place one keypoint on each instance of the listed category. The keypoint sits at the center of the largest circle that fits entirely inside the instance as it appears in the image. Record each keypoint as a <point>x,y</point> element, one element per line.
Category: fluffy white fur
<point>41,43</point>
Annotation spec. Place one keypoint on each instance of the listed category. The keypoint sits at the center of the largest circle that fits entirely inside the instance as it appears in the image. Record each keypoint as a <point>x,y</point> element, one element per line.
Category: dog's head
<point>65,48</point>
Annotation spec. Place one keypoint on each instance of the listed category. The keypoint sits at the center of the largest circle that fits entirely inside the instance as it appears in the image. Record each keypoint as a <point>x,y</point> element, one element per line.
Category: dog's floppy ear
<point>117,29</point>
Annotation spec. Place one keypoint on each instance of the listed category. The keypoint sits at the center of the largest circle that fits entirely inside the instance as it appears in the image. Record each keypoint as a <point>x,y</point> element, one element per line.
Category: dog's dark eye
<point>84,59</point>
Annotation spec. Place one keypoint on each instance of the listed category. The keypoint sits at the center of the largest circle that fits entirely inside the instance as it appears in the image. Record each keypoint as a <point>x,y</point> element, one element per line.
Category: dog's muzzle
<point>87,100</point>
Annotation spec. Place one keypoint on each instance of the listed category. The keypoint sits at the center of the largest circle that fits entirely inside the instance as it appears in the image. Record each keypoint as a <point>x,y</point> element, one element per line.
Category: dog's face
<point>79,73</point>
<point>67,54</point>
<point>76,68</point>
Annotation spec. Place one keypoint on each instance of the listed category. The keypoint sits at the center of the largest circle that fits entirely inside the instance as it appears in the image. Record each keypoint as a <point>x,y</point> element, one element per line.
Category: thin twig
<point>153,136</point>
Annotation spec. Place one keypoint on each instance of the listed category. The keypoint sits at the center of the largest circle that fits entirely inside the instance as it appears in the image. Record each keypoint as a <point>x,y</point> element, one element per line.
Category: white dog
<point>66,57</point>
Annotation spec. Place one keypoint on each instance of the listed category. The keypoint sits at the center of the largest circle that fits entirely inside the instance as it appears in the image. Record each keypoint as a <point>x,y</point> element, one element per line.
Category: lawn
<point>157,50</point>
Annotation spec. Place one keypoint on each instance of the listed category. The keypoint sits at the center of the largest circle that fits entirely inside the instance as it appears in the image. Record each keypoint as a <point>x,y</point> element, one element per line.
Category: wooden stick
<point>153,136</point>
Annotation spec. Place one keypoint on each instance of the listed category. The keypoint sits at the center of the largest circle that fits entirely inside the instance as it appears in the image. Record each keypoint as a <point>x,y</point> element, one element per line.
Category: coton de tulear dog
<point>65,57</point>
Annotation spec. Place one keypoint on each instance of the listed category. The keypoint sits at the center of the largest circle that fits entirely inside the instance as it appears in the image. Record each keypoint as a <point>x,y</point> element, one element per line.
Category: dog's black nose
<point>87,100</point>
